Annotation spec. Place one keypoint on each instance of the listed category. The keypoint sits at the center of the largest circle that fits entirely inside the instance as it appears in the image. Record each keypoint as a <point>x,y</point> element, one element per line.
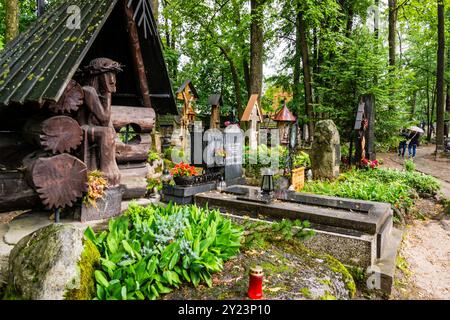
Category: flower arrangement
<point>96,188</point>
<point>221,153</point>
<point>370,164</point>
<point>183,170</point>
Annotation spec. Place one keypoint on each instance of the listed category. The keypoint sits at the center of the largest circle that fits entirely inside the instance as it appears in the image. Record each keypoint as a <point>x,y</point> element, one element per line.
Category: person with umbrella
<point>404,135</point>
<point>414,140</point>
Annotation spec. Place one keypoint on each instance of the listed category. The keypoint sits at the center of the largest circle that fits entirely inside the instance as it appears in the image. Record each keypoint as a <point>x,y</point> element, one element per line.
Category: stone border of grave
<point>358,233</point>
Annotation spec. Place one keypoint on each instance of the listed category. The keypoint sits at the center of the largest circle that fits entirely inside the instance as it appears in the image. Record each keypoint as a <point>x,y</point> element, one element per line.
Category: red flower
<point>183,170</point>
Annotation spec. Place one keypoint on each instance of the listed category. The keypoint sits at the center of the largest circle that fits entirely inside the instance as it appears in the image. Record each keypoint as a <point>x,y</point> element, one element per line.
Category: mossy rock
<point>53,263</point>
<point>89,262</point>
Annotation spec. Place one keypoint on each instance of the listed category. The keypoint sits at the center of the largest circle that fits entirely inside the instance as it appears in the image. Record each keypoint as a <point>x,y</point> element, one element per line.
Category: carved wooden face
<point>108,81</point>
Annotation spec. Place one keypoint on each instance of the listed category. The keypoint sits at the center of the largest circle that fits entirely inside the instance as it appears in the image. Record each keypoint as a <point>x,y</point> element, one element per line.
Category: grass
<point>398,188</point>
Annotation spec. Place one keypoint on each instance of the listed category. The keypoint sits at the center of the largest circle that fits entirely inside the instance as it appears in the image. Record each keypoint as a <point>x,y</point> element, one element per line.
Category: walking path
<point>426,244</point>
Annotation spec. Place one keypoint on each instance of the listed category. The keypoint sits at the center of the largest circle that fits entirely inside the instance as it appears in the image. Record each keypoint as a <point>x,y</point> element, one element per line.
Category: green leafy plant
<point>153,156</point>
<point>153,183</point>
<point>150,250</point>
<point>383,185</point>
<point>126,134</point>
<point>302,160</point>
<point>264,157</point>
<point>410,166</point>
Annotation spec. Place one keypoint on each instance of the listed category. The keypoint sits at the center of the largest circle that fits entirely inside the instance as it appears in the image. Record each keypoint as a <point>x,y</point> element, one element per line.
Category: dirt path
<point>424,260</point>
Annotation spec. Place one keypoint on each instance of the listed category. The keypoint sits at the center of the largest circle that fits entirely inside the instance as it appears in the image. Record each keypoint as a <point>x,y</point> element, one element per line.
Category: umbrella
<point>416,129</point>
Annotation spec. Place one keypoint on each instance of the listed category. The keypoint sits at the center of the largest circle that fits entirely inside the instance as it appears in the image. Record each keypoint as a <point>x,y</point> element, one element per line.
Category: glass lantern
<point>221,185</point>
<point>267,185</point>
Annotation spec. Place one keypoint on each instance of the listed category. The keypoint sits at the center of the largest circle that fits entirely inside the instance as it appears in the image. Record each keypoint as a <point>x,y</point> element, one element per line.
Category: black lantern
<point>267,186</point>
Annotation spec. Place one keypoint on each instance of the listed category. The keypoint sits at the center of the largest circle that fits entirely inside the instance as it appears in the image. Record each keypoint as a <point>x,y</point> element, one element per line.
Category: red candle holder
<point>255,288</point>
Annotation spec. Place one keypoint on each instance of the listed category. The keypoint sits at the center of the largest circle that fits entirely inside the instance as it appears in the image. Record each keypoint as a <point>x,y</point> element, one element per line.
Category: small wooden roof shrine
<point>187,93</point>
<point>37,66</point>
<point>187,87</point>
<point>215,100</point>
<point>284,115</point>
<point>253,109</point>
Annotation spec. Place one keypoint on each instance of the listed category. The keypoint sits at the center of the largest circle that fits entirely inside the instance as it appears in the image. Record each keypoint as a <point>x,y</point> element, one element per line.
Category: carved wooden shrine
<point>187,94</point>
<point>365,130</point>
<point>254,115</point>
<point>284,117</point>
<point>215,101</point>
<point>77,100</point>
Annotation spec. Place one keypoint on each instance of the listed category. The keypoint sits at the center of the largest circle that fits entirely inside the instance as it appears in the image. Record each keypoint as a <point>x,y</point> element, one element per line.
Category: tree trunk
<point>59,180</point>
<point>447,103</point>
<point>236,82</point>
<point>413,104</point>
<point>57,134</point>
<point>245,59</point>
<point>307,79</point>
<point>440,102</point>
<point>349,27</point>
<point>392,31</point>
<point>376,22</point>
<point>40,7</point>
<point>257,47</point>
<point>11,19</point>
<point>297,66</point>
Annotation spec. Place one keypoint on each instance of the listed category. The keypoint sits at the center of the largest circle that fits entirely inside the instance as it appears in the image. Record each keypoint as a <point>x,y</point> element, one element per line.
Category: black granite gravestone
<point>234,147</point>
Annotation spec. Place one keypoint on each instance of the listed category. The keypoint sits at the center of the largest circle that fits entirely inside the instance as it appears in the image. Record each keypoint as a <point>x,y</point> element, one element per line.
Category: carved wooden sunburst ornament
<point>142,15</point>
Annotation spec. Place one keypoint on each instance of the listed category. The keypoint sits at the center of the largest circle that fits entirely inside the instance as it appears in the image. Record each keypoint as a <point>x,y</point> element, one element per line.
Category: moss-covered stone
<point>291,271</point>
<point>44,265</point>
<point>89,262</point>
<point>306,293</point>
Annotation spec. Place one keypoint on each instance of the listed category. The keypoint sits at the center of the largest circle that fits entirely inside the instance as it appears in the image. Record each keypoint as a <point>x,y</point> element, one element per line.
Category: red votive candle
<point>255,288</point>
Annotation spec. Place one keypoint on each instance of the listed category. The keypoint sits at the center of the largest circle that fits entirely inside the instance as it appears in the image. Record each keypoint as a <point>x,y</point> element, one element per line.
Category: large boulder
<point>53,263</point>
<point>326,150</point>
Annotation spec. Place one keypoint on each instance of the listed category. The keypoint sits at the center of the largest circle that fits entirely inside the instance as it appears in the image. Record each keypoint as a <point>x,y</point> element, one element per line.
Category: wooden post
<point>137,54</point>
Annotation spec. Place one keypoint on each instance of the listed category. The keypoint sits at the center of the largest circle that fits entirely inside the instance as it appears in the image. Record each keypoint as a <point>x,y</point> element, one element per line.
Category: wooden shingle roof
<point>37,66</point>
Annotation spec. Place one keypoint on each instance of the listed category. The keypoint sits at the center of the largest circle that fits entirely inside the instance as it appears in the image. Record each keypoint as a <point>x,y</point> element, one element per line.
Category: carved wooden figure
<point>95,118</point>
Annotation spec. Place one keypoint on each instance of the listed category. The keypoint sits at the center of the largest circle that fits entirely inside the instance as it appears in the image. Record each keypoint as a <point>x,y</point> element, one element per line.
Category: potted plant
<point>184,174</point>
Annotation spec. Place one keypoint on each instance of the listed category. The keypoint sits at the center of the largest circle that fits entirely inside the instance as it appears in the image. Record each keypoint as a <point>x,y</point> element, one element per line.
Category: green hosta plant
<point>151,250</point>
